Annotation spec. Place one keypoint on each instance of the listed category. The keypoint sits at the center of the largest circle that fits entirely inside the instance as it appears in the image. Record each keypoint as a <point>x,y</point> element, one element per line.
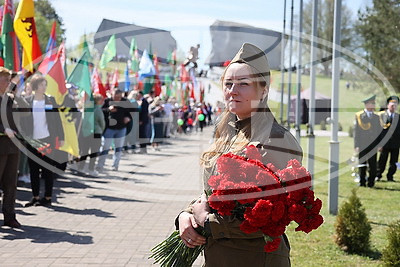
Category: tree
<point>45,14</point>
<point>379,27</point>
<point>325,30</point>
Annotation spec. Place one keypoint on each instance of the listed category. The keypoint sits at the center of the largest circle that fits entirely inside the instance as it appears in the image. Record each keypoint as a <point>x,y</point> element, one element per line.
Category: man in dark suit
<point>9,152</point>
<point>389,119</point>
<point>366,139</point>
<point>144,122</point>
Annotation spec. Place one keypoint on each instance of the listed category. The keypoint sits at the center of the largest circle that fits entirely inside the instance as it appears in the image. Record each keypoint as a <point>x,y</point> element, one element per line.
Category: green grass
<point>381,204</point>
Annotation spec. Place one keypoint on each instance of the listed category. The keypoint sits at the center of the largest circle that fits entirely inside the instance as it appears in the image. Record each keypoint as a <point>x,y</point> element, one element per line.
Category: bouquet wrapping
<point>262,197</point>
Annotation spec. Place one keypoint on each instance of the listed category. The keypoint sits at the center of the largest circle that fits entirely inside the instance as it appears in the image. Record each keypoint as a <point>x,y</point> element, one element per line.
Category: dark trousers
<point>394,157</point>
<point>92,143</point>
<point>144,134</point>
<point>8,179</point>
<point>47,175</point>
<point>372,164</point>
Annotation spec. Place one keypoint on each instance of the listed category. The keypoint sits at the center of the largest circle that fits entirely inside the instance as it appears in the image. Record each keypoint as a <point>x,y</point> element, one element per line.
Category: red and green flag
<point>9,43</point>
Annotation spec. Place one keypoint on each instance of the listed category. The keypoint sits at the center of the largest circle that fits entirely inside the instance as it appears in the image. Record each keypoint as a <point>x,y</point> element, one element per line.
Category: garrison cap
<point>254,57</point>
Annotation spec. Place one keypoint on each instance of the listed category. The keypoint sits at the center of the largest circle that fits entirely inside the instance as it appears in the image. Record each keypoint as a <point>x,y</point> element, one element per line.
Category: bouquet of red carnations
<point>264,198</point>
<point>42,147</point>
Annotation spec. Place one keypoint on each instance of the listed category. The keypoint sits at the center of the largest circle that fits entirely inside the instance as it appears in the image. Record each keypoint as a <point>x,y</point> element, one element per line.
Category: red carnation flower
<point>250,169</point>
<point>252,152</point>
<point>247,228</point>
<point>316,206</point>
<point>272,245</point>
<point>310,224</point>
<point>294,163</point>
<point>297,213</point>
<point>265,178</point>
<point>274,229</point>
<point>278,210</point>
<point>272,167</point>
<point>225,164</point>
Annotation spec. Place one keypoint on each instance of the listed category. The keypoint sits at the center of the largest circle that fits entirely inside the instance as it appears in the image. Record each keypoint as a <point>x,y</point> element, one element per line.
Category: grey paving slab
<point>111,220</point>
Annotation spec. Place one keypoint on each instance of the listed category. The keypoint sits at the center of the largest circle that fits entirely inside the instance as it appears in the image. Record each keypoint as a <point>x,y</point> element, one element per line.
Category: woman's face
<point>240,91</point>
<point>42,87</point>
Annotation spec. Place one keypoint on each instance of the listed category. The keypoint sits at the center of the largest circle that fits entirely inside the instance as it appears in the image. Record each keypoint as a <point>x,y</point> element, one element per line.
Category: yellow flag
<point>25,29</point>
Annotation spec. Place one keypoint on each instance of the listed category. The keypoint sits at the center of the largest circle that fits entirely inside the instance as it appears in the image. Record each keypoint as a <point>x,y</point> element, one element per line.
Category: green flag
<point>8,38</point>
<point>134,56</point>
<point>85,48</point>
<point>80,75</point>
<point>151,51</point>
<point>109,52</point>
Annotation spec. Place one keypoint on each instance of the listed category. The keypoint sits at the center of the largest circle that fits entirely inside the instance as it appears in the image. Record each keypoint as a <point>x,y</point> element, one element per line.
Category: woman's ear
<point>264,93</point>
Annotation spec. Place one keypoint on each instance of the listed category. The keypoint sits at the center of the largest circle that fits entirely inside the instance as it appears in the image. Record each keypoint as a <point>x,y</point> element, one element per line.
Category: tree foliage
<point>45,15</point>
<point>379,27</point>
<point>325,29</point>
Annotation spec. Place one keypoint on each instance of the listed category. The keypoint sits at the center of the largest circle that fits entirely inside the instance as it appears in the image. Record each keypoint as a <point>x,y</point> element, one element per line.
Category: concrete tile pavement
<point>112,220</point>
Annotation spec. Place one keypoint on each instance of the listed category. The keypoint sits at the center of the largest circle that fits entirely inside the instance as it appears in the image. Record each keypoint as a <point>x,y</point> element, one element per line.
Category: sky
<point>188,21</point>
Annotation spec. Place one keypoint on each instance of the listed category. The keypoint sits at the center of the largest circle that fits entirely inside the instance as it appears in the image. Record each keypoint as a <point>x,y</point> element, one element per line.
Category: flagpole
<point>299,67</point>
<point>283,61</point>
<point>290,67</point>
<point>311,116</point>
<point>334,143</point>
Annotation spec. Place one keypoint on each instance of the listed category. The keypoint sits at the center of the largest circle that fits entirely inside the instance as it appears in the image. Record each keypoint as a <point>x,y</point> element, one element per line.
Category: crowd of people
<point>122,122</point>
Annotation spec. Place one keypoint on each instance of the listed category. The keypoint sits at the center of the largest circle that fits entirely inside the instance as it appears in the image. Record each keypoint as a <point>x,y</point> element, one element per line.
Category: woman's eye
<point>244,84</point>
<point>228,84</point>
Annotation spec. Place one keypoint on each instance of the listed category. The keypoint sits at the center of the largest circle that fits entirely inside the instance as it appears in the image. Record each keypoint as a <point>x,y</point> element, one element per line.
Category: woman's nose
<point>233,90</point>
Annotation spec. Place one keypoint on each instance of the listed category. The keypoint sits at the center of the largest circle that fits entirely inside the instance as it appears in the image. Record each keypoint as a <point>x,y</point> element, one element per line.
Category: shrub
<point>352,227</point>
<point>391,254</point>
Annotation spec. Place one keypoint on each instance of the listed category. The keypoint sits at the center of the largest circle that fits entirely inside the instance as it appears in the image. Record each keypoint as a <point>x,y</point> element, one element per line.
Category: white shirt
<point>168,109</point>
<point>40,129</point>
<point>369,113</point>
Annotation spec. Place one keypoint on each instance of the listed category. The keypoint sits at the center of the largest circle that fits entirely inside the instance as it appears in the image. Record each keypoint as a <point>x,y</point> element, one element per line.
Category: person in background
<point>144,122</point>
<point>367,130</point>
<point>9,152</point>
<point>132,137</point>
<point>157,114</point>
<point>23,168</point>
<point>92,142</point>
<point>117,117</point>
<point>168,117</point>
<point>389,119</point>
<point>44,124</point>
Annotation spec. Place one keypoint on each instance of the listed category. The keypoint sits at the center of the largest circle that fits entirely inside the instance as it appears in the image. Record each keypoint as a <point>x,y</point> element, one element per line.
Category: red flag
<point>184,74</point>
<point>114,81</point>
<point>51,52</point>
<point>97,85</point>
<point>157,82</point>
<point>56,82</point>
<point>191,87</point>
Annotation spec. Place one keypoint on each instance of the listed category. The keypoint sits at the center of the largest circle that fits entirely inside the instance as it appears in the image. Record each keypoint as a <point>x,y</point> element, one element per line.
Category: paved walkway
<point>113,220</point>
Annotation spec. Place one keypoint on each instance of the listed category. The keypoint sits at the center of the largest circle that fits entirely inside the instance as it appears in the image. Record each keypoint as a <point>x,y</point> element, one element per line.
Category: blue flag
<point>146,67</point>
<point>127,80</point>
